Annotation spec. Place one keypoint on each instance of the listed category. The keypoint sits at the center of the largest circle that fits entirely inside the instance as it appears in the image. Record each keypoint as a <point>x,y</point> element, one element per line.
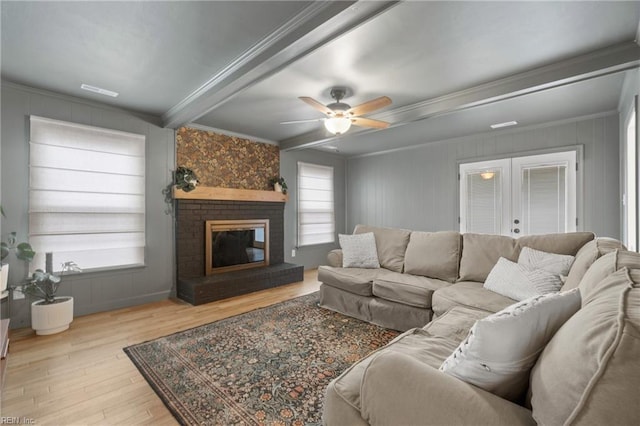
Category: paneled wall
<point>417,188</point>
<point>100,291</point>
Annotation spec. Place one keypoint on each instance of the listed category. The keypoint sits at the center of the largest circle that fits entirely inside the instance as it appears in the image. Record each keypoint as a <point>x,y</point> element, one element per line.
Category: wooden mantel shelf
<point>213,193</point>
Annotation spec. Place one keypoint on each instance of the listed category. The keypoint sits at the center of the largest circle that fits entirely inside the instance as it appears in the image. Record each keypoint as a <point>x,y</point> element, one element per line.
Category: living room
<point>568,73</point>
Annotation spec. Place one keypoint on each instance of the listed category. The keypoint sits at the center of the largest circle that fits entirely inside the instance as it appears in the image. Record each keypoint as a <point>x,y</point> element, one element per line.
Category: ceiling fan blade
<point>369,122</point>
<point>317,105</point>
<point>302,121</point>
<point>367,107</point>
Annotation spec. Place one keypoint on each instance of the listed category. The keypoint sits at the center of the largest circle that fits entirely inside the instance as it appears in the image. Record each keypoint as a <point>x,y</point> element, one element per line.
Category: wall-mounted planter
<point>52,318</point>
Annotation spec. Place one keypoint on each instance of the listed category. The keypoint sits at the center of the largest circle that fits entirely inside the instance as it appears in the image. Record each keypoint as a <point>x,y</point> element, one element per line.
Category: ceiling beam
<point>316,25</point>
<point>599,63</point>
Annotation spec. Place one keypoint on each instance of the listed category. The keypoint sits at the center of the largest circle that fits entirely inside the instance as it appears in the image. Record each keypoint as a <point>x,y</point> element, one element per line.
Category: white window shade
<point>86,195</point>
<point>544,199</point>
<point>484,202</point>
<point>316,218</point>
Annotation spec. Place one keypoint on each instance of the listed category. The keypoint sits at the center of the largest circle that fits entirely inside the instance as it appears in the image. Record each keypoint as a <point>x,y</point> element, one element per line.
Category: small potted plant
<point>279,185</point>
<point>184,179</point>
<point>50,314</point>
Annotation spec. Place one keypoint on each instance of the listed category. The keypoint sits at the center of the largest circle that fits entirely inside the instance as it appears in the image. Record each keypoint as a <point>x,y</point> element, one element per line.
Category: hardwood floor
<point>82,376</point>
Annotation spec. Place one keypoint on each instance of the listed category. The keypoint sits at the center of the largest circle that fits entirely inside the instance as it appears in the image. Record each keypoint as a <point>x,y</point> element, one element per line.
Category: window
<point>518,196</point>
<point>316,219</point>
<point>630,198</point>
<point>86,195</point>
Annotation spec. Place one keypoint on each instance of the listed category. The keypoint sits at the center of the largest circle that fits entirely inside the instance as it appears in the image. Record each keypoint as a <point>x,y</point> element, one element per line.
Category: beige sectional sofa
<point>423,274</point>
<point>588,373</point>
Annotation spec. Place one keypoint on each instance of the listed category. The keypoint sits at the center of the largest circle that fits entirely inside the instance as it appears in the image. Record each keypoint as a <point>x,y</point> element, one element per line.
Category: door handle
<point>516,221</point>
<point>516,231</point>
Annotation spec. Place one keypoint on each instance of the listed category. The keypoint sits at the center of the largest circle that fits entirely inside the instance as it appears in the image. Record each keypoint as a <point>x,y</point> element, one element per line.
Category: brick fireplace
<point>194,285</point>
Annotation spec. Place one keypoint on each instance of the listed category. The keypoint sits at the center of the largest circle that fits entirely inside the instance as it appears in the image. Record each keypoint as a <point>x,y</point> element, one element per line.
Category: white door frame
<point>577,211</point>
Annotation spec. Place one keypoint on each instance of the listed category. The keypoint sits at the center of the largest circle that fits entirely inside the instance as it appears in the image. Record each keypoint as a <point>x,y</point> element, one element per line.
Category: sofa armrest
<point>398,389</point>
<point>334,258</point>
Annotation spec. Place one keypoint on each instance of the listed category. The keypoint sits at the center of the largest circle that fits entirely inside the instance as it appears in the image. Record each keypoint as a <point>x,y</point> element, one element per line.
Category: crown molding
<point>229,133</point>
<point>151,119</point>
<point>610,60</point>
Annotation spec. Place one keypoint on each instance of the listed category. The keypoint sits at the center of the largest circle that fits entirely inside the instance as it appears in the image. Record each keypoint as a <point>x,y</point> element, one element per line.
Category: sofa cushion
<point>585,257</point>
<point>556,264</point>
<point>434,254</point>
<point>354,280</point>
<point>411,290</point>
<point>605,266</point>
<point>429,345</point>
<point>499,351</point>
<point>589,372</point>
<point>520,282</point>
<point>480,252</point>
<point>567,243</point>
<point>359,251</point>
<point>391,244</point>
<point>469,294</point>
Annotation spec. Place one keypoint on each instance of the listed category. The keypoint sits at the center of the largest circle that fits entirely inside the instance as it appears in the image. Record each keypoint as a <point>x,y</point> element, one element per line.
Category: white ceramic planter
<point>277,187</point>
<point>4,276</point>
<point>54,318</point>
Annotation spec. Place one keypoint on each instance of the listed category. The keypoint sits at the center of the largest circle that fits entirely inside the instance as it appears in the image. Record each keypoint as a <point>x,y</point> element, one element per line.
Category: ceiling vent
<point>505,124</point>
<point>99,90</point>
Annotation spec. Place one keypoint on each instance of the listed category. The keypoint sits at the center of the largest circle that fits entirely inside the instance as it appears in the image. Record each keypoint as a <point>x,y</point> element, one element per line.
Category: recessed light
<point>99,90</point>
<point>505,124</point>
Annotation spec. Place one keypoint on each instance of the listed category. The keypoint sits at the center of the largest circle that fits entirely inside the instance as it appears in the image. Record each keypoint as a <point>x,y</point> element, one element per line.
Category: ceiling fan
<point>341,116</point>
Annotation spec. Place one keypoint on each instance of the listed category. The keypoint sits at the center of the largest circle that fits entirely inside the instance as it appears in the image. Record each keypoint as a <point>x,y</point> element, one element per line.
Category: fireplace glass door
<point>236,244</point>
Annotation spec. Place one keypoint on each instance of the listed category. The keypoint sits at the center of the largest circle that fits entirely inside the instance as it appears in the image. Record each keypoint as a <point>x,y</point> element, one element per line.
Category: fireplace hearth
<point>250,264</point>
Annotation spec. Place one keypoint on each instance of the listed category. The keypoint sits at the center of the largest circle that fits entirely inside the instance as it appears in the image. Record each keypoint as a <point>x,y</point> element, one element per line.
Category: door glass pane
<point>483,202</point>
<point>544,199</point>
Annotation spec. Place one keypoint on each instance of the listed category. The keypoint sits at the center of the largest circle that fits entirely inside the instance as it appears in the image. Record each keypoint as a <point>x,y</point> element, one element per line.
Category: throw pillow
<point>359,251</point>
<point>501,349</point>
<point>557,264</point>
<point>520,282</point>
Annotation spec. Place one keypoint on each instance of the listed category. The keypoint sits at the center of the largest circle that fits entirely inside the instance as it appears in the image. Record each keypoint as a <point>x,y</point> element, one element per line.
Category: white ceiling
<point>451,68</point>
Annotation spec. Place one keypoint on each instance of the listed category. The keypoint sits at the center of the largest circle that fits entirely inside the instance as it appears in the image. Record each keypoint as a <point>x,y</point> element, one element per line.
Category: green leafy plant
<point>184,179</point>
<point>44,285</point>
<point>279,180</point>
<point>23,250</point>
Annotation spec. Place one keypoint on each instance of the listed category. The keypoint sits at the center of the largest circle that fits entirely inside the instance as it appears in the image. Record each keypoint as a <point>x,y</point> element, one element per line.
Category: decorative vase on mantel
<point>277,187</point>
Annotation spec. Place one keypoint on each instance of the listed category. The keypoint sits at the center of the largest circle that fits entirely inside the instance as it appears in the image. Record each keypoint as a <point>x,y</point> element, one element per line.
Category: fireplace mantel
<point>231,194</point>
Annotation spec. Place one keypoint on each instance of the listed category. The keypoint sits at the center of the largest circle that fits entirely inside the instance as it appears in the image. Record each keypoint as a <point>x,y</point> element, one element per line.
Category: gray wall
<point>310,256</point>
<point>92,292</point>
<point>417,188</point>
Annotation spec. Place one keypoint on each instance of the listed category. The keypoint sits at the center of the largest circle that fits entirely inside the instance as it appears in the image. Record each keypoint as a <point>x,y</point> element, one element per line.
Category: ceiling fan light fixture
<point>337,125</point>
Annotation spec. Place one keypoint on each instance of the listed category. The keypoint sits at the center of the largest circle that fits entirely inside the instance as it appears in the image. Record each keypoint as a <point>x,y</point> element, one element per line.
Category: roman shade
<point>86,194</point>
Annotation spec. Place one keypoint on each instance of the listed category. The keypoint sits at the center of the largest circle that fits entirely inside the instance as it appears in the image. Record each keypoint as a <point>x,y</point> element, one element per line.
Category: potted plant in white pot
<point>50,314</point>
<point>22,250</point>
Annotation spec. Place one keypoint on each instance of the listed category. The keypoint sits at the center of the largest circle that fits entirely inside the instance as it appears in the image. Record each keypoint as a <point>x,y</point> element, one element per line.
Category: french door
<point>519,196</point>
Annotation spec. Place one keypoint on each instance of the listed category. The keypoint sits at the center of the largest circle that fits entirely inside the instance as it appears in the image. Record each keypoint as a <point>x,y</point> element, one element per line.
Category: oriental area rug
<point>270,366</point>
